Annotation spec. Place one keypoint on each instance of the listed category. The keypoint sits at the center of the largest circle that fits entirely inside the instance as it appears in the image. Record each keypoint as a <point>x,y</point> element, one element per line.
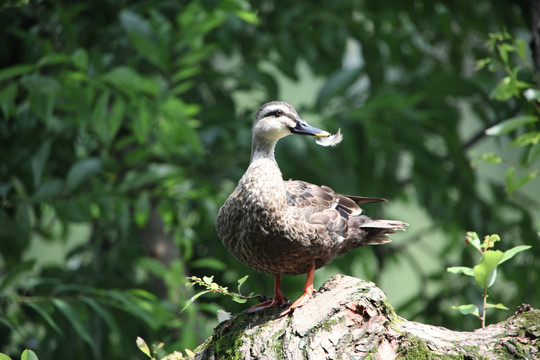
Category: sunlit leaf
<point>496,306</point>
<point>239,299</point>
<point>209,263</point>
<point>530,138</point>
<point>461,270</point>
<point>521,48</point>
<point>4,357</point>
<point>467,309</point>
<point>141,344</point>
<point>485,273</point>
<point>508,254</point>
<point>511,124</point>
<point>247,16</point>
<point>473,239</point>
<point>28,355</point>
<point>193,298</point>
<point>190,353</point>
<point>242,281</point>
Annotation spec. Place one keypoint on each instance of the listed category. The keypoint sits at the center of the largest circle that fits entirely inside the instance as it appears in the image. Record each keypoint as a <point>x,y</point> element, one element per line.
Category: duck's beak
<point>303,128</point>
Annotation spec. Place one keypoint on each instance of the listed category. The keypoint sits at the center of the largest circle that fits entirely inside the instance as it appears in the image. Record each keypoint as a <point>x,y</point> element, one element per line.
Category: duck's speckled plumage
<point>284,227</point>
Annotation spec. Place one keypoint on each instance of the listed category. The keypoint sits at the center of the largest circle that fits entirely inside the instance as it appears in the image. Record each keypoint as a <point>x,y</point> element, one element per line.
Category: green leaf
<point>473,239</point>
<point>39,160</point>
<point>15,272</point>
<point>4,357</point>
<point>514,183</point>
<point>521,49</point>
<point>115,118</point>
<point>247,16</point>
<point>506,88</point>
<point>193,298</point>
<point>510,124</point>
<point>467,309</point>
<point>8,94</point>
<point>103,313</point>
<point>82,171</point>
<point>49,189</point>
<point>16,71</point>
<point>44,314</point>
<point>141,344</point>
<point>154,266</point>
<point>496,306</point>
<point>129,81</point>
<point>144,38</point>
<point>490,158</point>
<point>53,59</point>
<point>80,59</point>
<point>490,240</point>
<point>508,254</point>
<point>209,263</point>
<point>242,281</point>
<point>530,138</point>
<point>239,299</point>
<point>99,118</point>
<point>461,270</point>
<point>28,355</point>
<point>142,209</point>
<point>208,279</point>
<point>74,319</point>
<point>485,273</point>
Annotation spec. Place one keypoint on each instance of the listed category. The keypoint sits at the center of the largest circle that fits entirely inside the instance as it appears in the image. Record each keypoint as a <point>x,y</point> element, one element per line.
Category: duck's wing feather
<point>311,198</point>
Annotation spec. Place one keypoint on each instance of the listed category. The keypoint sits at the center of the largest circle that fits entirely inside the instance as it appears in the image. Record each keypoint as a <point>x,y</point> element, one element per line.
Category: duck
<point>291,227</point>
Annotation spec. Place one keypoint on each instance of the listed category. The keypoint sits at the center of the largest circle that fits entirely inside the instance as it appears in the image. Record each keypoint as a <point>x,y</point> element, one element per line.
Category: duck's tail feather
<point>364,231</point>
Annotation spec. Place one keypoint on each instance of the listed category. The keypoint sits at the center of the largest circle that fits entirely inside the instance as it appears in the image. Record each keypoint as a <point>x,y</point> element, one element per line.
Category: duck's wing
<point>310,199</point>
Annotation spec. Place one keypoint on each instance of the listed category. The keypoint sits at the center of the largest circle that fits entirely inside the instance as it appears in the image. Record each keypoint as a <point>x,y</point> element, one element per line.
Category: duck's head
<point>278,119</point>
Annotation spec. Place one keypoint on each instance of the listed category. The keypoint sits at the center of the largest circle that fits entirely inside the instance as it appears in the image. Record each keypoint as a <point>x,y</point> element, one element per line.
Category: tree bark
<point>349,318</point>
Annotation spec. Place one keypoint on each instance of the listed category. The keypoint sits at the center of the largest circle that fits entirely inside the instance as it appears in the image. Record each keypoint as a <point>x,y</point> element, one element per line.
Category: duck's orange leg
<point>308,290</point>
<point>278,299</point>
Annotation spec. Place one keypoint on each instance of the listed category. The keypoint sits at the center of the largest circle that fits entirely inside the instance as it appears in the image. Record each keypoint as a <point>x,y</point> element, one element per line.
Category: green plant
<point>485,272</point>
<point>509,56</point>
<point>212,287</point>
<point>153,354</point>
<point>26,355</point>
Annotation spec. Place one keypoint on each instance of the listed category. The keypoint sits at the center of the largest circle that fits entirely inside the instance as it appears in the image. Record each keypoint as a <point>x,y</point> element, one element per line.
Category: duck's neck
<point>262,149</point>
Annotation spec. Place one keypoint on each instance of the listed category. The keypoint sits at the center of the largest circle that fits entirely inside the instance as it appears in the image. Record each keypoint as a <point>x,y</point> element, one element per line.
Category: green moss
<point>277,344</point>
<point>228,338</point>
<point>416,349</point>
<point>511,349</point>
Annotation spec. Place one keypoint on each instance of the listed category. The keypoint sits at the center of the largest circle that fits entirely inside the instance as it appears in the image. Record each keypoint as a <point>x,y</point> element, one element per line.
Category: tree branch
<point>351,319</point>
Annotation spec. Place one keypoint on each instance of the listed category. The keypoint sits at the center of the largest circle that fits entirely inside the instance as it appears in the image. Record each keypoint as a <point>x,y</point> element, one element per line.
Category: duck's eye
<point>278,113</point>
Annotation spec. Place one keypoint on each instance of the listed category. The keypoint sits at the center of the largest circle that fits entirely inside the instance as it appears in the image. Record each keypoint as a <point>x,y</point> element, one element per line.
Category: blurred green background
<point>126,124</point>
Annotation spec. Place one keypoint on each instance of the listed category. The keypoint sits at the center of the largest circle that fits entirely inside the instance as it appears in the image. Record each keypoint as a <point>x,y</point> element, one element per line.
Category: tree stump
<point>349,318</point>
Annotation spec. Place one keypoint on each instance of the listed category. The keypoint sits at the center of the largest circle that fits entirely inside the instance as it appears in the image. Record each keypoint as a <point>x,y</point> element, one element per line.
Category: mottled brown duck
<point>291,227</point>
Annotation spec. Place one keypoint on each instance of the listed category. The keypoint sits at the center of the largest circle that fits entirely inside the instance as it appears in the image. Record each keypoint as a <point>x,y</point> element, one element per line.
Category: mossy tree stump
<point>349,318</point>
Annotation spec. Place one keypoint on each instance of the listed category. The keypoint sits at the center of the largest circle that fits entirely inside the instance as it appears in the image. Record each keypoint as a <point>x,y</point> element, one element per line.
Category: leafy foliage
<point>124,126</point>
<point>485,272</point>
<point>503,46</point>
